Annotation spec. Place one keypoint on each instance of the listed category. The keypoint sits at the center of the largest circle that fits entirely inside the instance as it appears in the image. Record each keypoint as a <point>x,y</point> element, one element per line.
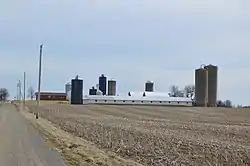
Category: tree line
<point>4,93</point>
<point>189,91</point>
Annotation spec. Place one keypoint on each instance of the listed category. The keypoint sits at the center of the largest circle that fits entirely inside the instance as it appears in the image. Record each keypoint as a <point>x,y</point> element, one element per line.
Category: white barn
<point>137,98</point>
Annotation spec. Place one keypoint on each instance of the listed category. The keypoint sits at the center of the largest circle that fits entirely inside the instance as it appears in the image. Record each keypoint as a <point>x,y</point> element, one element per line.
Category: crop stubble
<point>160,135</point>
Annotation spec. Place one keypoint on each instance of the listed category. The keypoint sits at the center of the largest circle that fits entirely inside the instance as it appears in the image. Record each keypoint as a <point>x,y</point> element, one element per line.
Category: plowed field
<point>159,135</point>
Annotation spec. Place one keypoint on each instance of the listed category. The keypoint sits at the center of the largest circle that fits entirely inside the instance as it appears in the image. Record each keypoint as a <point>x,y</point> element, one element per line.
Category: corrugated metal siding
<point>58,97</point>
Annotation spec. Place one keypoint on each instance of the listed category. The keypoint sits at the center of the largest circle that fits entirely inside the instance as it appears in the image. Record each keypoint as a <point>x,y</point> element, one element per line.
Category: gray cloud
<point>130,40</point>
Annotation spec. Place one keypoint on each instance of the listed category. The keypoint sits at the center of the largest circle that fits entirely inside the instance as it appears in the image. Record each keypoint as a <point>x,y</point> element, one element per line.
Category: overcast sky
<point>131,41</point>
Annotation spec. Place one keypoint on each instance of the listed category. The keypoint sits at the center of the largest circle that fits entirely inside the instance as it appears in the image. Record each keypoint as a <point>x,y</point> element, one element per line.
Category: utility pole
<point>39,79</point>
<point>20,92</point>
<point>17,92</point>
<point>24,88</point>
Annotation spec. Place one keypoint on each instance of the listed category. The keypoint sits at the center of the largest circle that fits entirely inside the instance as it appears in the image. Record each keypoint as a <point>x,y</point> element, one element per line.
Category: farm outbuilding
<point>137,98</point>
<point>52,96</point>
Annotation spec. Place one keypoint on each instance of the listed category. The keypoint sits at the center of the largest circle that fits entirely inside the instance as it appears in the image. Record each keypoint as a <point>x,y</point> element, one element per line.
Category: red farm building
<point>52,96</point>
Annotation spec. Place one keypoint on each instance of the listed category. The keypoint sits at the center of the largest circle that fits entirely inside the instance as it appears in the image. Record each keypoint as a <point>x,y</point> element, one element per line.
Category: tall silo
<point>149,86</point>
<point>201,87</point>
<point>67,87</point>
<point>103,84</point>
<point>76,91</point>
<point>212,84</point>
<point>111,87</point>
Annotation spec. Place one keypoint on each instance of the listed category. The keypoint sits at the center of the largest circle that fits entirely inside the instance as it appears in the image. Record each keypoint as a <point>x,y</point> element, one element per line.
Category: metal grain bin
<point>201,87</point>
<point>92,91</point>
<point>111,87</point>
<point>103,84</point>
<point>76,91</point>
<point>212,84</point>
<point>149,86</point>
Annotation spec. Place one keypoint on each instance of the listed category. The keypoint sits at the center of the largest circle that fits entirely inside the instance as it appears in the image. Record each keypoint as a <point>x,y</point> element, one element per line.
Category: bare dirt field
<point>159,135</point>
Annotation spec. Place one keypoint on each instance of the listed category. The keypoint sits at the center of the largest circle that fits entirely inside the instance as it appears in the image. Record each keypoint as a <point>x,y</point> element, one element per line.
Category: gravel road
<point>21,144</point>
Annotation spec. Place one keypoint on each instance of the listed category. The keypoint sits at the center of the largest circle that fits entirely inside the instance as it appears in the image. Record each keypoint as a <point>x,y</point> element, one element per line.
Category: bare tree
<point>4,94</point>
<point>239,106</point>
<point>175,91</point>
<point>31,92</point>
<point>189,90</point>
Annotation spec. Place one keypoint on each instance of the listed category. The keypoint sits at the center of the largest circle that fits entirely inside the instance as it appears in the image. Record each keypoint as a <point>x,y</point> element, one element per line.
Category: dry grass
<point>45,102</point>
<point>75,150</point>
<point>160,135</point>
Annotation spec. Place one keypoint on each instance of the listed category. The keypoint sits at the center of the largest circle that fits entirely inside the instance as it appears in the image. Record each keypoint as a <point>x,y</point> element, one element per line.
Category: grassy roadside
<point>76,151</point>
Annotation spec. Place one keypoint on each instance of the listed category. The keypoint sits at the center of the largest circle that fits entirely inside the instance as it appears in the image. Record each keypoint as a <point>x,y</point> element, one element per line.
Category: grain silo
<point>76,91</point>
<point>92,91</point>
<point>67,87</point>
<point>111,87</point>
<point>103,84</point>
<point>149,86</point>
<point>201,87</point>
<point>212,84</point>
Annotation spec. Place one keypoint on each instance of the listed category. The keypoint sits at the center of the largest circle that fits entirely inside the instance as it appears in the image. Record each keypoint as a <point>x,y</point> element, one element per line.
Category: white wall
<point>137,102</point>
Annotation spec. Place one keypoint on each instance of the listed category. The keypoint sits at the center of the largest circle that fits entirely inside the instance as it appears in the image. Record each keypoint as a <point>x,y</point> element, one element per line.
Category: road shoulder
<point>75,150</point>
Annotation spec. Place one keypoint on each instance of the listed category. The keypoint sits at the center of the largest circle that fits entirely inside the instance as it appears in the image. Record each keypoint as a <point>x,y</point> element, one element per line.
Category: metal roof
<point>150,96</point>
<point>134,97</point>
<point>52,93</point>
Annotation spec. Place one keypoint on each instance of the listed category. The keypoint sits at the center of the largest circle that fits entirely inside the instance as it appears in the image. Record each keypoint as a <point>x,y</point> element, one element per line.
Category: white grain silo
<point>67,87</point>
